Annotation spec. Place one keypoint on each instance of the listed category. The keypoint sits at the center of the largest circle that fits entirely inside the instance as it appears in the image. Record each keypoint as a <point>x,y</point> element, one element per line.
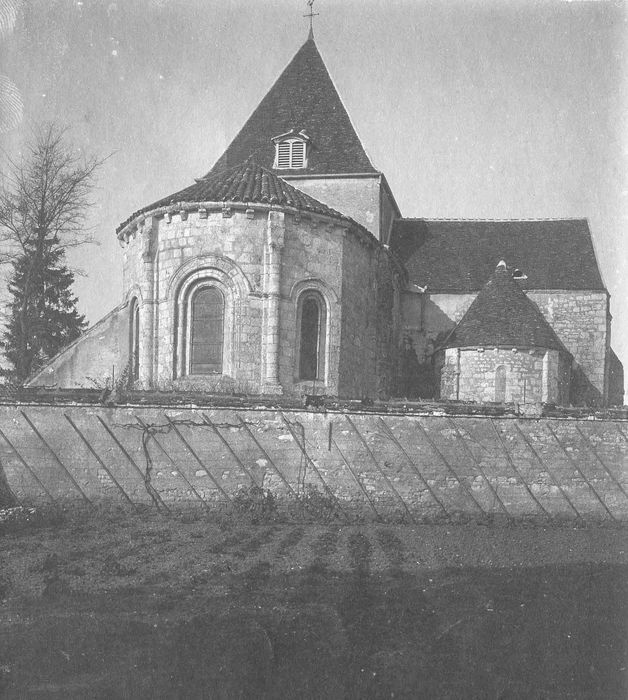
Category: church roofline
<point>538,290</point>
<point>329,176</point>
<point>220,205</point>
<point>429,219</point>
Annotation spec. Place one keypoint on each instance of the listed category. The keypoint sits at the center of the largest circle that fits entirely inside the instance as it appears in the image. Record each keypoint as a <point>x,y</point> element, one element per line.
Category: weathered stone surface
<point>394,466</point>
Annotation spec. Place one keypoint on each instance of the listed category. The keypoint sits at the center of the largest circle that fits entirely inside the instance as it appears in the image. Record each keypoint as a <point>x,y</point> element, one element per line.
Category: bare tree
<point>44,206</point>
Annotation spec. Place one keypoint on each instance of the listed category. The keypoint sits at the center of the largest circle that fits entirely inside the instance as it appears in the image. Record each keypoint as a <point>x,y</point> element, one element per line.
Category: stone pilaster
<point>149,232</point>
<point>273,246</point>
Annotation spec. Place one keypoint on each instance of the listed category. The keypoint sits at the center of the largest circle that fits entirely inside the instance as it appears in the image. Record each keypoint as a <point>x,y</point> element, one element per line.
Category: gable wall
<point>357,197</point>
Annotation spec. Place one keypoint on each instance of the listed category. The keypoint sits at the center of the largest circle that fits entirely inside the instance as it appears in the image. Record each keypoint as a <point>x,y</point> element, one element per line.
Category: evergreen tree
<point>44,205</point>
<point>45,320</point>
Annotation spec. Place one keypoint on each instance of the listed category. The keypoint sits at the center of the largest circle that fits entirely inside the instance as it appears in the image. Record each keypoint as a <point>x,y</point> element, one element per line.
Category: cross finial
<point>311,14</point>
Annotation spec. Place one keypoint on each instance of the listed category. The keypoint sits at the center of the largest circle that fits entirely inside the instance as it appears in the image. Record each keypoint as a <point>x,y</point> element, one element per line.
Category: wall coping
<point>265,405</point>
<point>74,343</point>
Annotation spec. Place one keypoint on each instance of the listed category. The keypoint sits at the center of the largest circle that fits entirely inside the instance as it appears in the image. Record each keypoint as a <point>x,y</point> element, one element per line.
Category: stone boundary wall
<point>355,465</point>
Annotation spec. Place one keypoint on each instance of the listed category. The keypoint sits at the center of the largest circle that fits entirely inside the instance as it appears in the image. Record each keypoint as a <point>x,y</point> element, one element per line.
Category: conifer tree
<point>43,212</point>
<point>51,320</point>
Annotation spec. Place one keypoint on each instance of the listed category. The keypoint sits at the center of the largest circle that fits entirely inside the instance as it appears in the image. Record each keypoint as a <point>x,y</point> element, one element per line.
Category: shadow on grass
<point>545,632</point>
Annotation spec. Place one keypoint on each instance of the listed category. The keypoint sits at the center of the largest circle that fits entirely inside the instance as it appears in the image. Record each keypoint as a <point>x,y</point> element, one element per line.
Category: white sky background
<point>485,109</point>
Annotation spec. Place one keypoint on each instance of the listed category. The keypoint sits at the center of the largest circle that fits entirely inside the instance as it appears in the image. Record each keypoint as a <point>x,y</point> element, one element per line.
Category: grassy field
<point>144,606</point>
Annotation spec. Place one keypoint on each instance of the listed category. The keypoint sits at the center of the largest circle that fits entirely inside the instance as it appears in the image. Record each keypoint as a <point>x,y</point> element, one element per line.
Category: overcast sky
<point>473,109</point>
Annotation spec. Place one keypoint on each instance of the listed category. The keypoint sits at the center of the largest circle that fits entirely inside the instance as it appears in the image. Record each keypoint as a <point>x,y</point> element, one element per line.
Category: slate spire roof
<point>303,99</point>
<point>247,183</point>
<point>503,316</point>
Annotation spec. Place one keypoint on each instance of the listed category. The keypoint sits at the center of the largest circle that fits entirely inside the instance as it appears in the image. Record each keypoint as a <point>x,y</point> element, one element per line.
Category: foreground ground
<point>146,606</point>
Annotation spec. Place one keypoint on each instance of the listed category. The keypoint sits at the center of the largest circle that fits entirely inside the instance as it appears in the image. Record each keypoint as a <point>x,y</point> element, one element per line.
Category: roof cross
<point>311,14</point>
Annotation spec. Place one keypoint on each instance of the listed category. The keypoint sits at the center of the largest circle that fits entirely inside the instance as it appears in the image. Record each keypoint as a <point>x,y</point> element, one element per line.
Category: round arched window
<point>207,310</point>
<point>311,336</point>
<point>501,377</point>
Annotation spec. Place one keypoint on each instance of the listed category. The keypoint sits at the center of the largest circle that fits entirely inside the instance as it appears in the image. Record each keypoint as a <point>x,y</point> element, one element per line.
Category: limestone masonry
<point>382,465</point>
<point>288,270</point>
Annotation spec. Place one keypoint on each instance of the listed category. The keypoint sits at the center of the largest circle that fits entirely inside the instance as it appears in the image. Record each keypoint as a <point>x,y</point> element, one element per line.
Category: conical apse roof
<point>503,316</point>
<point>303,98</point>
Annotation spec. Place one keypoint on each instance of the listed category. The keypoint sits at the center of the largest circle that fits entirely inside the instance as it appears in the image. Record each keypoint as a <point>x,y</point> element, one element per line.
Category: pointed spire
<point>303,98</point>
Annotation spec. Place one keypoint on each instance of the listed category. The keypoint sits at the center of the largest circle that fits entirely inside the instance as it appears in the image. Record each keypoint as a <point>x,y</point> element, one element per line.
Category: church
<point>288,269</point>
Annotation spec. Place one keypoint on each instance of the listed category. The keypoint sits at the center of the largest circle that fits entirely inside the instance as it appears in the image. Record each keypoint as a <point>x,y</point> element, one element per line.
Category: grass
<point>146,606</point>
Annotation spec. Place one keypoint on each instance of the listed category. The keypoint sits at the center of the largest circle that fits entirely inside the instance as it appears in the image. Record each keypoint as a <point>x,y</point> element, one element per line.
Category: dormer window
<point>291,150</point>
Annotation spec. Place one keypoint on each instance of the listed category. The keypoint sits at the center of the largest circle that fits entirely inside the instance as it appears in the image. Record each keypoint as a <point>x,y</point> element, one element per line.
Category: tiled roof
<point>303,98</point>
<point>503,316</point>
<point>459,256</point>
<point>248,183</point>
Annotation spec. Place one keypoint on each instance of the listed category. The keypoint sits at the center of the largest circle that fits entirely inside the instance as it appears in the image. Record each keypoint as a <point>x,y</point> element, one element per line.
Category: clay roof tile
<point>247,183</point>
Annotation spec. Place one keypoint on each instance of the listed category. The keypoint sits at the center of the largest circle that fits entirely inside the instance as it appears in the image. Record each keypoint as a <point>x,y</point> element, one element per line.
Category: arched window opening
<point>134,341</point>
<point>500,384</point>
<point>311,337</point>
<point>206,331</point>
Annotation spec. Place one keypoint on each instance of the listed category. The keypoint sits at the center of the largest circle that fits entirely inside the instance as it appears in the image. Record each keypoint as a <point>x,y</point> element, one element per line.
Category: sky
<point>475,109</point>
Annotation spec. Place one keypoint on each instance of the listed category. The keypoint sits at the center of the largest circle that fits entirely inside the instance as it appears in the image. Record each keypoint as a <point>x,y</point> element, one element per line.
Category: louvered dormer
<point>291,150</point>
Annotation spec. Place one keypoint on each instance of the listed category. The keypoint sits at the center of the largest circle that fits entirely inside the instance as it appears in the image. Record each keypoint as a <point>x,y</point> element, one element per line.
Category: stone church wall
<point>247,252</point>
<point>198,245</point>
<point>427,318</point>
<point>358,360</point>
<point>311,259</point>
<point>615,381</point>
<point>184,246</point>
<point>370,335</point>
<point>579,318</point>
<point>388,212</point>
<point>307,254</point>
<point>533,375</point>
